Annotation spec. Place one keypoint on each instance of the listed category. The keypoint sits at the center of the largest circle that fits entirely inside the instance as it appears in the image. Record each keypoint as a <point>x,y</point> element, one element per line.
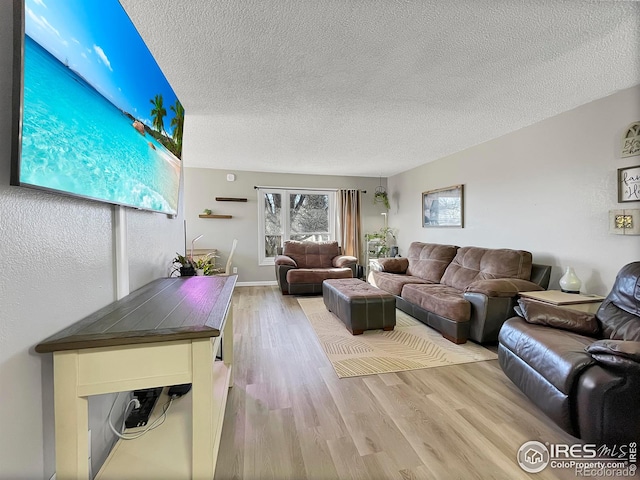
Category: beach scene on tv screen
<point>100,120</point>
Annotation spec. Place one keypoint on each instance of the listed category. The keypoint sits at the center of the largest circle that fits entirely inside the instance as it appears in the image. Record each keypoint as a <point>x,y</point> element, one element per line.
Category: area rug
<point>410,346</point>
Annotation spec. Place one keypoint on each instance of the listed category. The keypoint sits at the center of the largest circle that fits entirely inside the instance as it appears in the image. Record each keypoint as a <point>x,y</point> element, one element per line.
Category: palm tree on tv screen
<point>158,113</point>
<point>177,122</point>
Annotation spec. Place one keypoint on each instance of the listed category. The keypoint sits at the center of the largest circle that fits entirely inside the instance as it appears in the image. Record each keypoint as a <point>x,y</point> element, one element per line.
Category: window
<point>293,215</point>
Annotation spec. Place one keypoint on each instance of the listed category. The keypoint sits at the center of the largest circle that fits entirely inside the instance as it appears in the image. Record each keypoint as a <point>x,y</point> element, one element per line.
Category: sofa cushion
<point>311,254</point>
<point>316,275</point>
<point>475,263</point>
<point>392,265</point>
<point>439,299</point>
<point>393,282</point>
<point>557,355</point>
<point>429,260</point>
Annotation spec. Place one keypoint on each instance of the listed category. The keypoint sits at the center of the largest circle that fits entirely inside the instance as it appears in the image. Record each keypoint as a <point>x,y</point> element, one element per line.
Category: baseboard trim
<point>266,283</point>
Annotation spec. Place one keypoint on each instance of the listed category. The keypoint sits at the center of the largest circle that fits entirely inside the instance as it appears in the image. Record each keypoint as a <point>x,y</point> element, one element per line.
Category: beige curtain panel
<point>350,222</point>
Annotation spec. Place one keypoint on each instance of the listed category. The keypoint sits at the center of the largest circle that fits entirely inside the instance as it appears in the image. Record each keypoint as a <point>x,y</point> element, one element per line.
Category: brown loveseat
<point>303,266</point>
<point>463,292</point>
<point>582,370</point>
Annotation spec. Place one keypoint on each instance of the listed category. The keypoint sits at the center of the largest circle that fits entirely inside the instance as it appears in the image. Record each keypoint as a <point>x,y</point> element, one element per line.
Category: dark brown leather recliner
<point>581,370</point>
<point>303,266</point>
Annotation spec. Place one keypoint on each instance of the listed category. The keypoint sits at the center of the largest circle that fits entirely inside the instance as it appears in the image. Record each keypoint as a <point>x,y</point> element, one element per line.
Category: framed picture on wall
<point>629,184</point>
<point>443,207</point>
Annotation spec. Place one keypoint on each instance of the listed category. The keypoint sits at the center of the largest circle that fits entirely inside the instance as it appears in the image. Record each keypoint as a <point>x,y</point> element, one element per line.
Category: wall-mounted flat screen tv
<point>95,116</point>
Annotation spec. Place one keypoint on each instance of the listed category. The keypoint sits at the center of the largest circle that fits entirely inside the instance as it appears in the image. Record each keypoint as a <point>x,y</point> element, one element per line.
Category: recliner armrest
<point>392,265</point>
<point>553,316</point>
<point>502,287</point>
<point>284,260</point>
<point>342,261</point>
<point>618,354</point>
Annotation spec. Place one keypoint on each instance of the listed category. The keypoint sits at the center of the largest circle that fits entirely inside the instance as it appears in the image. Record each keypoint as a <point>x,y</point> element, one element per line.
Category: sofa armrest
<point>563,318</point>
<point>342,261</point>
<point>540,275</point>
<point>502,287</point>
<point>284,260</point>
<point>487,315</point>
<point>281,273</point>
<point>392,265</point>
<point>605,399</point>
<point>618,354</point>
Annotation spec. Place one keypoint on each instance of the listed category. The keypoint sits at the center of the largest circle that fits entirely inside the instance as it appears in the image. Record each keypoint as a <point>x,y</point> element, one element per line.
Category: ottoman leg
<point>388,329</point>
<point>356,332</point>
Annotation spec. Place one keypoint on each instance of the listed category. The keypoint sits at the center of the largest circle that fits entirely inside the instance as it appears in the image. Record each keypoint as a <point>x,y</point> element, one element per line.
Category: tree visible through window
<point>272,223</point>
<point>310,216</point>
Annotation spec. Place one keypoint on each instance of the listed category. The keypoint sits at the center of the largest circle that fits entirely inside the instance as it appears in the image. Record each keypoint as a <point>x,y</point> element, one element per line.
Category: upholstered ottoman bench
<point>359,305</point>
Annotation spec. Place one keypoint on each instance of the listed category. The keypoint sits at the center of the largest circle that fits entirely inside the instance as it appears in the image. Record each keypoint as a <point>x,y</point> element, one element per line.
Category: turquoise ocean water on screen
<point>74,140</point>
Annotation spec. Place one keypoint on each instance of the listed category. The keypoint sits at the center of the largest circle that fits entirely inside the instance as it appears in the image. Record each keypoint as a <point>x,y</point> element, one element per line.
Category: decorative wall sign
<point>629,184</point>
<point>624,222</point>
<point>631,141</point>
<point>443,207</point>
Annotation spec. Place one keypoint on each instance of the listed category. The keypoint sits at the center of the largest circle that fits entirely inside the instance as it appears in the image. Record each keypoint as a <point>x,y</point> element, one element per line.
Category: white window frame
<point>284,216</point>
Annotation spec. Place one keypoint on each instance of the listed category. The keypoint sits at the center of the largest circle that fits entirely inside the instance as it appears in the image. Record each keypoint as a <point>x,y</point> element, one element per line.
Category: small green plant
<point>186,266</point>
<point>207,211</point>
<point>182,265</point>
<point>182,261</point>
<point>382,247</point>
<point>207,264</point>
<point>211,269</point>
<point>381,196</point>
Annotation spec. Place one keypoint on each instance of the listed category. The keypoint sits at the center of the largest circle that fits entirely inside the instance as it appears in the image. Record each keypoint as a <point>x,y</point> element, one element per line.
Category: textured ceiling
<point>374,88</point>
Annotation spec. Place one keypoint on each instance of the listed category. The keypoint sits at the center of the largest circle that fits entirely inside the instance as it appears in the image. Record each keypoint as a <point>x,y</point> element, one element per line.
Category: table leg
<point>203,461</point>
<point>227,343</point>
<point>71,419</point>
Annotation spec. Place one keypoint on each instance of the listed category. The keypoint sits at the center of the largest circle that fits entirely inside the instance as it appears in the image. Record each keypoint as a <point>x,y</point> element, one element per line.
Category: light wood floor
<point>289,417</point>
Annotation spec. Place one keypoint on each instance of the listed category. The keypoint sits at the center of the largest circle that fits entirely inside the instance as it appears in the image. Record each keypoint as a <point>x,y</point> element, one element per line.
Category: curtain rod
<point>300,188</point>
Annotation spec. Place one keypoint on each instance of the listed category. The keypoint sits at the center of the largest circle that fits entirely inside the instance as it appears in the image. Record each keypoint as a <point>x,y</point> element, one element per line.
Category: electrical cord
<point>155,424</point>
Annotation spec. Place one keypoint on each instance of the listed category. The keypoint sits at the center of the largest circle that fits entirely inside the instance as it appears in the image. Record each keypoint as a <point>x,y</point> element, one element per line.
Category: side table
<point>572,301</point>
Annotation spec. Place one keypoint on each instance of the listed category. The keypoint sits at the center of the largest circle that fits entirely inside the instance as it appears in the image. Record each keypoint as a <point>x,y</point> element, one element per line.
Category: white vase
<point>200,272</point>
<point>570,283</point>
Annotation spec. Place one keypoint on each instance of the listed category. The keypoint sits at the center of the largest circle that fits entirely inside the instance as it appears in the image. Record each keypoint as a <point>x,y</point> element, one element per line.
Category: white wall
<point>202,185</point>
<point>546,188</point>
<point>58,266</point>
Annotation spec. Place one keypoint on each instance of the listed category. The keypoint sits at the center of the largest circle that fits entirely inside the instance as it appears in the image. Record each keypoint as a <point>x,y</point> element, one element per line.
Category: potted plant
<point>381,197</point>
<point>206,265</point>
<point>184,265</point>
<point>381,239</point>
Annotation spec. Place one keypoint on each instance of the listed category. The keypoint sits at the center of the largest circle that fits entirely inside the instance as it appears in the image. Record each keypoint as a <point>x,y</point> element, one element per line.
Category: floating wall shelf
<point>230,199</point>
<point>214,216</point>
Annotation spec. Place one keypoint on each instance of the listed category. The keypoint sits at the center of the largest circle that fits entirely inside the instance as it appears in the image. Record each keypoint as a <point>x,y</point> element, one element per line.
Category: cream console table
<point>166,333</point>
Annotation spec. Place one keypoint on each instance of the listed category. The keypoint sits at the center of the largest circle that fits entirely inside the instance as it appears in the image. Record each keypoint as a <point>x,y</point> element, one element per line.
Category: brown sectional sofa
<point>301,267</point>
<point>463,292</point>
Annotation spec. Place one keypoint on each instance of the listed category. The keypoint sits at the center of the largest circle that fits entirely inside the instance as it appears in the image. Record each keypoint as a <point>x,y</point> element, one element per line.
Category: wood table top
<point>164,310</point>
<point>556,297</point>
